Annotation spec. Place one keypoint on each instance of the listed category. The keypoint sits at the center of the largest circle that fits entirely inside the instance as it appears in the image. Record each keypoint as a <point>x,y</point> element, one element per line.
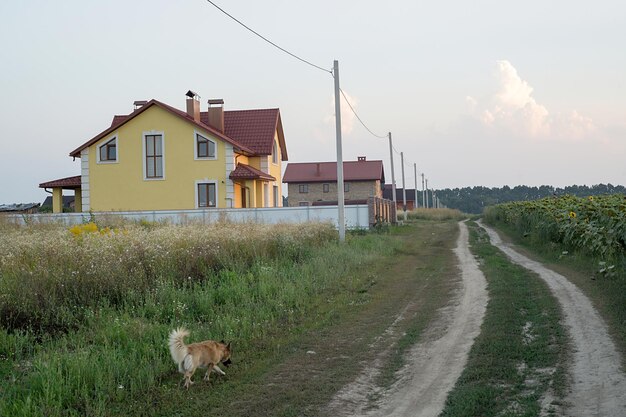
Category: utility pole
<point>393,181</point>
<point>427,205</point>
<point>423,192</point>
<point>415,172</point>
<point>403,186</point>
<point>340,194</point>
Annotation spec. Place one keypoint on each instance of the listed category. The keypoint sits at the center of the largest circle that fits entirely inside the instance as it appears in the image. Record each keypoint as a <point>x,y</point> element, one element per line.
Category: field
<point>85,311</point>
<point>583,238</point>
<point>594,226</point>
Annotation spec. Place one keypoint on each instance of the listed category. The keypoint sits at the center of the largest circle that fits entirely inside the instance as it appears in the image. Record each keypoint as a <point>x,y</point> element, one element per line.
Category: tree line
<point>474,199</point>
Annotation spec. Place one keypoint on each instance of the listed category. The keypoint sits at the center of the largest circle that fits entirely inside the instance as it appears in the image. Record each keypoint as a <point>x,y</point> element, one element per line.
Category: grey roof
<point>17,207</point>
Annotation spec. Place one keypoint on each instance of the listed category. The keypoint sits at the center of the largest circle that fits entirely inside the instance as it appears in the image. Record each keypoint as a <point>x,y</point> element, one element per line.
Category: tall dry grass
<point>51,275</point>
<point>434,214</point>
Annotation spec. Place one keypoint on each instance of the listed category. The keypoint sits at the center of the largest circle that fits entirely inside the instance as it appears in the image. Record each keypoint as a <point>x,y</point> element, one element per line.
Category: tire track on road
<point>598,384</point>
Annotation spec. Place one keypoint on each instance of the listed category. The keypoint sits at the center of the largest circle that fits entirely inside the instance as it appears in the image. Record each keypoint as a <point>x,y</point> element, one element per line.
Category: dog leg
<point>188,381</point>
<point>209,368</point>
<point>218,370</point>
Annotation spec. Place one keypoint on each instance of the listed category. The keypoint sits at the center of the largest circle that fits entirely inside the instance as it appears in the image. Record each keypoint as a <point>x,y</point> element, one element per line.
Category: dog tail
<point>178,348</point>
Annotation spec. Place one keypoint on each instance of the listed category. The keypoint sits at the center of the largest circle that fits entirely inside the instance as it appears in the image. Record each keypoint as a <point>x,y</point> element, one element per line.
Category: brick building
<point>315,183</point>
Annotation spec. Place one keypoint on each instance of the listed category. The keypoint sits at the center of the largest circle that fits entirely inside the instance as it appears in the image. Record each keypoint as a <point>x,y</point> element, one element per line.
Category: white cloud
<point>347,116</point>
<point>513,109</point>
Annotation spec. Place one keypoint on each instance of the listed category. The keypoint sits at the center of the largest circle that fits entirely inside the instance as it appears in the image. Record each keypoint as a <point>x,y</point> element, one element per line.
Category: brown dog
<point>205,354</point>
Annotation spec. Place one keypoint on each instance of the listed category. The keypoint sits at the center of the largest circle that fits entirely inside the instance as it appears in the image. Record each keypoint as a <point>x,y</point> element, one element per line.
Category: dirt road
<point>437,361</point>
<point>598,384</point>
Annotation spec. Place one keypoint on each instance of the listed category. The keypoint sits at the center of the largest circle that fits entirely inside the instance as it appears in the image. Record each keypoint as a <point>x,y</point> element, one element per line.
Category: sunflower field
<point>593,226</point>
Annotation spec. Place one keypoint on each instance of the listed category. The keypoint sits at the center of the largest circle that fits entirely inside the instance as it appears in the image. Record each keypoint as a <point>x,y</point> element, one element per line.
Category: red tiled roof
<point>246,172</point>
<point>117,119</point>
<point>76,152</point>
<point>253,128</point>
<point>67,183</point>
<point>327,171</point>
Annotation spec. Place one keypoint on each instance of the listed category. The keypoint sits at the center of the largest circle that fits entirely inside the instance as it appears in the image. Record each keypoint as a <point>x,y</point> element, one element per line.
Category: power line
<point>300,59</point>
<point>267,40</point>
<point>357,116</point>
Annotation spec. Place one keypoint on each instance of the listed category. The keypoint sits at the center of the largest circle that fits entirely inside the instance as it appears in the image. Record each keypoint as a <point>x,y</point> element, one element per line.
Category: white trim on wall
<point>229,157</point>
<point>143,146</point>
<point>117,150</point>
<point>195,147</point>
<point>84,179</point>
<point>217,192</point>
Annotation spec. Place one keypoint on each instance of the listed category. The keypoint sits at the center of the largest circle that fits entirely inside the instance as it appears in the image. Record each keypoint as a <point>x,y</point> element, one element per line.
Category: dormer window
<point>205,148</point>
<point>108,151</point>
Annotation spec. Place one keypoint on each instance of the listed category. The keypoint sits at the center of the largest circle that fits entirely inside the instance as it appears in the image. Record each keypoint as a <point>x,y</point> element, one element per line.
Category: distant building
<point>315,183</point>
<point>23,208</point>
<point>68,203</point>
<point>410,197</point>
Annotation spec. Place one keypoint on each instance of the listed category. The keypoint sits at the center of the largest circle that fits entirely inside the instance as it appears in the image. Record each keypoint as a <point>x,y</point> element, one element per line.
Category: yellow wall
<point>121,186</point>
<point>275,171</point>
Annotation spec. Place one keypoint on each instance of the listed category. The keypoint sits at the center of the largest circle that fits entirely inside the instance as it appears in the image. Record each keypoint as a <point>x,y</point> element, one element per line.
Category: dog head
<point>226,355</point>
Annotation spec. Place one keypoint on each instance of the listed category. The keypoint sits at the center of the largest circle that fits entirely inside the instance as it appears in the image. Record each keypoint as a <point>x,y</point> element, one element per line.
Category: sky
<point>486,93</point>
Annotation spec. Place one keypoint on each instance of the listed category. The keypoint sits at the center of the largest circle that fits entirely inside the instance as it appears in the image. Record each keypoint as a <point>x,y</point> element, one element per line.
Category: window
<point>275,152</point>
<point>326,188</point>
<point>303,188</point>
<point>276,196</point>
<point>108,151</point>
<point>154,156</point>
<point>346,187</point>
<point>207,196</point>
<point>304,204</point>
<point>205,148</point>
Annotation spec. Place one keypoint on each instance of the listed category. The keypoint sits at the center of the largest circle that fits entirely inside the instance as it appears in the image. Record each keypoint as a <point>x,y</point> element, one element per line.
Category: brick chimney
<point>193,105</point>
<point>216,114</point>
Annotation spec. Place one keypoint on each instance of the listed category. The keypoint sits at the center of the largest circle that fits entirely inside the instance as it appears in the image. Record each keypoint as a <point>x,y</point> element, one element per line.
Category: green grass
<point>109,356</point>
<point>521,351</point>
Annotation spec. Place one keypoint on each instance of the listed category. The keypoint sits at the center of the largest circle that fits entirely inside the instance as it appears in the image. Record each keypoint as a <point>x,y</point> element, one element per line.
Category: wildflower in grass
<point>572,215</point>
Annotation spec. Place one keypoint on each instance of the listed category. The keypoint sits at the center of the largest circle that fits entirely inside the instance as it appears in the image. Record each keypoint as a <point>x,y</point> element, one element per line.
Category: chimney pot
<point>216,114</point>
<point>361,158</point>
<point>139,104</point>
<point>193,105</point>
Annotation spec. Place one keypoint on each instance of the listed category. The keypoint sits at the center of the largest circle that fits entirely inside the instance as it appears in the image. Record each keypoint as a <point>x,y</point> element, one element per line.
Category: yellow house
<point>162,158</point>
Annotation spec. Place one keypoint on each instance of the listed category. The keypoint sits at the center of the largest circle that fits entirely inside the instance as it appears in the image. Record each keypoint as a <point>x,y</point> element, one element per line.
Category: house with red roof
<point>315,183</point>
<point>161,158</point>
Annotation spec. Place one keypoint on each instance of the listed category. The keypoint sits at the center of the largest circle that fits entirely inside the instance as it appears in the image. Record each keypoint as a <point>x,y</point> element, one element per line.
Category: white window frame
<point>117,150</point>
<point>207,181</point>
<point>195,147</point>
<point>303,188</point>
<point>143,145</point>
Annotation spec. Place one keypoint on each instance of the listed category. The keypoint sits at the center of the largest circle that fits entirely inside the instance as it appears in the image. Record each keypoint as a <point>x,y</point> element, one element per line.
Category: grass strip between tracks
<point>517,363</point>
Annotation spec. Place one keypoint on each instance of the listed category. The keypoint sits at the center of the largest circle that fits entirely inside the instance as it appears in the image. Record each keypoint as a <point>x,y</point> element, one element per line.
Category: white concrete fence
<point>356,216</point>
